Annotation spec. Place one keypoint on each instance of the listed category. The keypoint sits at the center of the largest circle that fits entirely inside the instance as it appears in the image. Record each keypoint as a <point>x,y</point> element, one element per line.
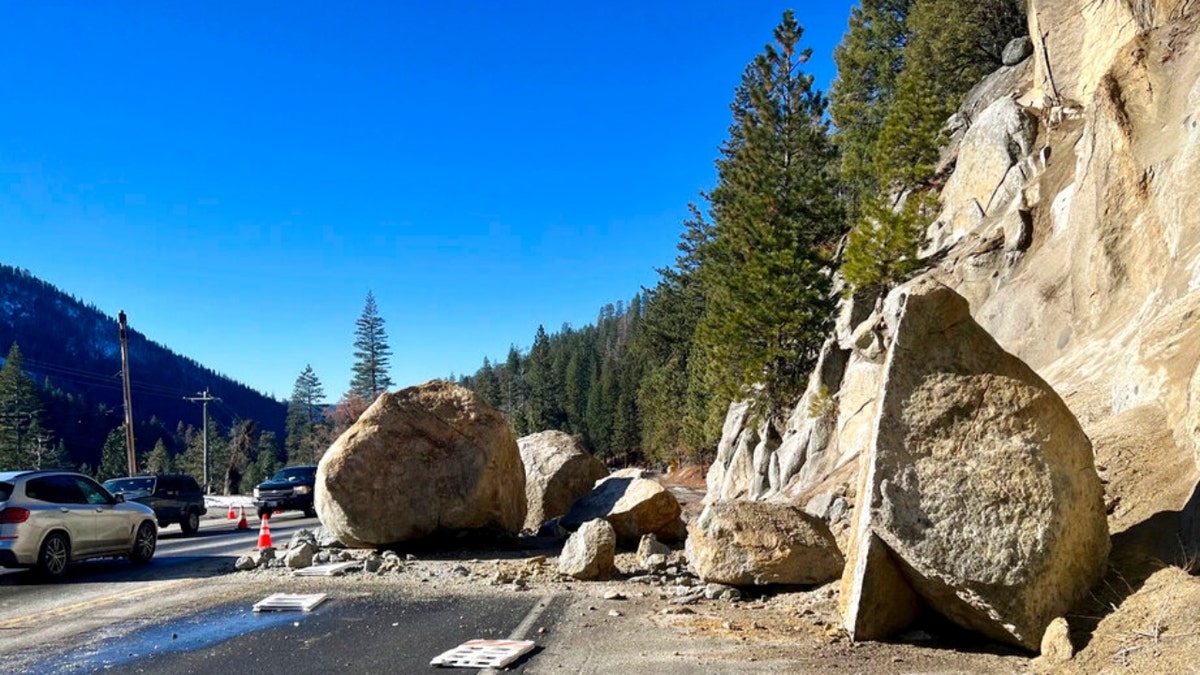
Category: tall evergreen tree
<point>673,310</point>
<point>487,385</point>
<point>869,59</point>
<point>371,353</point>
<point>516,392</point>
<point>21,433</point>
<point>159,460</point>
<point>114,461</point>
<point>307,428</point>
<point>243,443</point>
<point>544,387</point>
<point>951,46</point>
<point>776,218</point>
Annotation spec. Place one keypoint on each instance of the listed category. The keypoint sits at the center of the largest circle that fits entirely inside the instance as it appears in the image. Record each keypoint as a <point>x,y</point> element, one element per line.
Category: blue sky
<point>237,176</point>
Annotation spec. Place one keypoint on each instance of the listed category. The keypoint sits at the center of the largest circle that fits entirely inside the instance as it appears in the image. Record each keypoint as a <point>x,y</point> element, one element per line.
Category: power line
<point>203,398</point>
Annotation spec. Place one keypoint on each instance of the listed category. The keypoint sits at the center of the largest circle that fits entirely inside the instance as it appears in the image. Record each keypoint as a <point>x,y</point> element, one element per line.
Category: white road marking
<point>522,628</point>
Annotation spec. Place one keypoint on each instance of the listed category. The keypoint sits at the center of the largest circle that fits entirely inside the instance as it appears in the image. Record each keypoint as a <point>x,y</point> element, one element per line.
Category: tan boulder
<point>742,543</point>
<point>421,460</point>
<point>590,552</point>
<point>634,506</point>
<point>558,471</point>
<point>978,494</point>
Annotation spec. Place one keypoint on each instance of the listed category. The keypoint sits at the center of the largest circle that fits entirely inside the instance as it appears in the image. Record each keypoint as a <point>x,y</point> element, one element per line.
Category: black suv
<point>174,498</point>
<point>290,489</point>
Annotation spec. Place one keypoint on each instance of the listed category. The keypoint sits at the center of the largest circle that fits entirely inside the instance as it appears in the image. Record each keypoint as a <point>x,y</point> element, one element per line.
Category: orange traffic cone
<point>232,515</point>
<point>242,524</point>
<point>264,534</point>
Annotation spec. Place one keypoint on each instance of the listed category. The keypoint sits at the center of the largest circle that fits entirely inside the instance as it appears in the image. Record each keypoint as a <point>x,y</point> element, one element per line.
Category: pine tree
<point>869,60</point>
<point>487,385</point>
<point>21,432</point>
<point>114,461</point>
<point>673,310</point>
<point>243,443</point>
<point>776,220</point>
<point>159,460</point>
<point>882,250</point>
<point>371,353</point>
<point>951,46</point>
<point>544,386</point>
<point>307,429</point>
<point>516,392</point>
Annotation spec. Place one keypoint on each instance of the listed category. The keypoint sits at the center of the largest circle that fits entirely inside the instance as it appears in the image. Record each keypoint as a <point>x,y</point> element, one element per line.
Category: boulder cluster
<point>974,489</point>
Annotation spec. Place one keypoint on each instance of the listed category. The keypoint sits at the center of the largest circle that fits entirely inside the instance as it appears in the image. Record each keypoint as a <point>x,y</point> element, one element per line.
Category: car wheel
<point>144,543</point>
<point>191,523</point>
<point>53,556</point>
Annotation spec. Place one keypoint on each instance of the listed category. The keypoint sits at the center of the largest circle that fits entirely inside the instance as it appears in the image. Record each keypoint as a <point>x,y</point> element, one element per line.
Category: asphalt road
<point>374,634</point>
<point>171,616</point>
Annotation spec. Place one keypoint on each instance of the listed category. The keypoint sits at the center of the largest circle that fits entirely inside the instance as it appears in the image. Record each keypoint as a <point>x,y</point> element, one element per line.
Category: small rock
<point>373,563</point>
<point>613,612</point>
<point>1056,642</point>
<point>613,594</point>
<point>721,592</point>
<point>245,563</point>
<point>301,555</point>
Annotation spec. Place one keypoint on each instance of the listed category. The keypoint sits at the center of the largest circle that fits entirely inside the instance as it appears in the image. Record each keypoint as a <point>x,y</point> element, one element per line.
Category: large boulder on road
<point>590,552</point>
<point>978,496</point>
<point>423,460</point>
<point>558,471</point>
<point>633,505</point>
<point>744,543</point>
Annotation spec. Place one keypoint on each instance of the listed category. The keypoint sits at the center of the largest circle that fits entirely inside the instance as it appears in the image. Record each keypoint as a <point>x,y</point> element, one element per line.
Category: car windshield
<point>293,474</point>
<point>144,484</point>
<point>5,491</point>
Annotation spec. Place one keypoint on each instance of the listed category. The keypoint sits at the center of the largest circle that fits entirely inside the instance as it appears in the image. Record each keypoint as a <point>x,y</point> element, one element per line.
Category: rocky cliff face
<point>1071,224</point>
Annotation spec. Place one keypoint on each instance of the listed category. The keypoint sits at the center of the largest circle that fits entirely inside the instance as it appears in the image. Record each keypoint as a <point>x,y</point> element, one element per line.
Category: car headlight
<point>301,489</point>
<point>256,493</point>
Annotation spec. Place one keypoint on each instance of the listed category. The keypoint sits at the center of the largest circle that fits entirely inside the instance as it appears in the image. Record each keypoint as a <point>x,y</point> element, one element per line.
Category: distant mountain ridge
<point>76,348</point>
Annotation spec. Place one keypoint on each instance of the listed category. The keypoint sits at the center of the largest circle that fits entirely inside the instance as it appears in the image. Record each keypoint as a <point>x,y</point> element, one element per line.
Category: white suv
<point>50,518</point>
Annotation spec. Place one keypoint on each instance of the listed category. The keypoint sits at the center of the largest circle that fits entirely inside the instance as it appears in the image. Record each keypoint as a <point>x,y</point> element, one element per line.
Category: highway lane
<point>185,612</point>
<point>58,610</point>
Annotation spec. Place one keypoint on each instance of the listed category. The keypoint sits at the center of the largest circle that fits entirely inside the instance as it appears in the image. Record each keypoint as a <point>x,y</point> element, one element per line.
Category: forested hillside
<point>816,197</point>
<point>70,352</point>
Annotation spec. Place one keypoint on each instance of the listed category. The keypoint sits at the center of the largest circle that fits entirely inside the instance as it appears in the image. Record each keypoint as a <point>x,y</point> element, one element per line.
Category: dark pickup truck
<point>290,489</point>
<point>174,498</point>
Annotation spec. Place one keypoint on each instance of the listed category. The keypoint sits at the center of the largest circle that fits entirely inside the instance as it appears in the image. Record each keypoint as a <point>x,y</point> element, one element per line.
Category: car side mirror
<point>120,498</point>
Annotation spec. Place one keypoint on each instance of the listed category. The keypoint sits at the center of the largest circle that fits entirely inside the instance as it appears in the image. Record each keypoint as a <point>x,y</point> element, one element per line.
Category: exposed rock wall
<point>1084,262</point>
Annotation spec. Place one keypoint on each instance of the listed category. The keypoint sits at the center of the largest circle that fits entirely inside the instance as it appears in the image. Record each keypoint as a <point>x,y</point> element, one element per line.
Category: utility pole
<point>130,455</point>
<point>203,398</point>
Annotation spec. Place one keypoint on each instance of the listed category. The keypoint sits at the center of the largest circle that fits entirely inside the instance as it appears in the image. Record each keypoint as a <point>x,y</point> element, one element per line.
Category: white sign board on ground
<point>289,602</point>
<point>328,570</point>
<point>483,654</point>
